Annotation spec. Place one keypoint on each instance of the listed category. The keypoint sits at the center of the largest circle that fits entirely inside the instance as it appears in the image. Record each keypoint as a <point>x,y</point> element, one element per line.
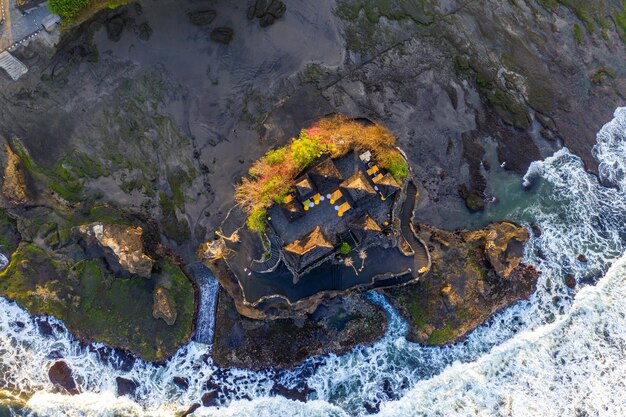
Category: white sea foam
<point>552,355</point>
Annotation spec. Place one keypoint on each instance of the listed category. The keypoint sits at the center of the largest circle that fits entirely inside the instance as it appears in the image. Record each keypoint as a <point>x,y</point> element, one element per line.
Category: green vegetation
<point>441,336</point>
<point>345,248</point>
<point>271,178</point>
<point>77,11</point>
<point>601,74</point>
<point>578,33</point>
<point>67,176</point>
<point>97,306</point>
<point>620,18</point>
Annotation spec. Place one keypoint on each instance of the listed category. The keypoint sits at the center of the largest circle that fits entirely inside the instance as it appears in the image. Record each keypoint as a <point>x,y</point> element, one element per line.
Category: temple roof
<point>326,176</point>
<point>315,239</point>
<point>387,185</point>
<point>304,187</point>
<point>293,209</point>
<point>358,186</point>
<point>366,223</point>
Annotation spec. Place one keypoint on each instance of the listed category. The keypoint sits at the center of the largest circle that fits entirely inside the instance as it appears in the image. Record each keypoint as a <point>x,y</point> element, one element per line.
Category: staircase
<point>270,264</point>
<point>406,226</point>
<point>13,66</point>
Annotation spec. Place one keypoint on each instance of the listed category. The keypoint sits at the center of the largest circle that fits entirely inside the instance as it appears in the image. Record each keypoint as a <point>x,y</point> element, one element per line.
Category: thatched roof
<point>325,176</point>
<point>313,240</point>
<point>304,187</point>
<point>366,223</point>
<point>358,187</point>
<point>293,209</point>
<point>387,185</point>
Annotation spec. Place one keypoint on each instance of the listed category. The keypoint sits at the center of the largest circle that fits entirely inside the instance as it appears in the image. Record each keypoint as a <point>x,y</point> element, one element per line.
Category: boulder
<point>125,386</point>
<point>504,246</point>
<point>202,18</point>
<point>277,9</point>
<point>163,307</point>
<point>181,382</point>
<point>14,181</point>
<point>122,243</point>
<point>209,399</point>
<point>222,34</point>
<point>115,27</point>
<point>61,376</point>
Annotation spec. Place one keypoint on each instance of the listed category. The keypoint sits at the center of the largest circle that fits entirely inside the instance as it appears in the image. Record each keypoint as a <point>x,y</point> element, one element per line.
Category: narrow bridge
<point>13,66</point>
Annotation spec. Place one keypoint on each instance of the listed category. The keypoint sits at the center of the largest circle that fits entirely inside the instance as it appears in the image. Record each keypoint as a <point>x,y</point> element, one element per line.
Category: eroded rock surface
<point>336,326</point>
<point>163,307</point>
<point>14,180</point>
<point>474,275</point>
<point>60,375</point>
<point>125,242</point>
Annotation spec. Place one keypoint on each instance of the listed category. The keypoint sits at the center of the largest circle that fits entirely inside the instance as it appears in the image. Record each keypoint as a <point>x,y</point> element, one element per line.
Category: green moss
<point>440,336</point>
<point>578,33</point>
<point>175,229</point>
<point>601,74</point>
<point>509,108</point>
<point>97,306</point>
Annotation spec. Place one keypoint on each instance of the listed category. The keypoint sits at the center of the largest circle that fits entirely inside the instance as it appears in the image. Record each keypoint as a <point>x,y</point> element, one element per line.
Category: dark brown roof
<point>366,223</point>
<point>325,176</point>
<point>293,209</point>
<point>358,187</point>
<point>387,185</point>
<point>304,187</point>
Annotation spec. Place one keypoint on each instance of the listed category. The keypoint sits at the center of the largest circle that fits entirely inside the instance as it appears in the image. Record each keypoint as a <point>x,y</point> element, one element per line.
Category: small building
<point>303,252</point>
<point>292,209</point>
<point>26,5</point>
<point>325,176</point>
<point>364,227</point>
<point>386,185</point>
<point>304,188</point>
<point>358,187</point>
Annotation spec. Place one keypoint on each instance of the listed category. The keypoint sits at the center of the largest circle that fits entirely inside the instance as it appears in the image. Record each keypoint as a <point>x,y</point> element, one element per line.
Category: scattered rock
<point>125,386</point>
<point>570,281</point>
<point>144,31</point>
<point>582,258</point>
<point>163,307</point>
<point>14,182</point>
<point>222,35</point>
<point>209,399</point>
<point>180,382</point>
<point>292,394</point>
<point>191,409</point>
<point>115,27</point>
<point>122,243</point>
<point>504,246</point>
<point>536,230</point>
<point>267,12</point>
<point>60,375</point>
<point>202,18</point>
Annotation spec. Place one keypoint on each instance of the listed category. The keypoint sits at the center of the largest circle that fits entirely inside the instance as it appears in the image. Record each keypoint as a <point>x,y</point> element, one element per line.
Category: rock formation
<point>14,181</point>
<point>60,375</point>
<point>163,307</point>
<point>267,11</point>
<point>504,246</point>
<point>125,243</point>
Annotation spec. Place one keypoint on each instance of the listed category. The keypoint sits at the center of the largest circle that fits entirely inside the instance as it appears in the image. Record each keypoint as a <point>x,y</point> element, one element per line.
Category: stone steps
<point>13,66</point>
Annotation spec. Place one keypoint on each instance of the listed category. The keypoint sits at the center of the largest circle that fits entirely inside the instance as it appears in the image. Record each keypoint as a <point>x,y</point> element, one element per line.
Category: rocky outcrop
<point>163,307</point>
<point>222,35</point>
<point>337,326</point>
<point>504,246</point>
<point>267,11</point>
<point>125,386</point>
<point>125,245</point>
<point>60,375</point>
<point>474,274</point>
<point>14,181</point>
<point>202,17</point>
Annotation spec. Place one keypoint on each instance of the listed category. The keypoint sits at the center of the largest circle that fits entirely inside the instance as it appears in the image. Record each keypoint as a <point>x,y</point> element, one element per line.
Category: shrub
<point>67,8</point>
<point>395,164</point>
<point>256,219</point>
<point>345,248</point>
<point>306,149</point>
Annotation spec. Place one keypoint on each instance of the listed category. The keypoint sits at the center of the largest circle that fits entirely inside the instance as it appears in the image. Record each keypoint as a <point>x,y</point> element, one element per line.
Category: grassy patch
<point>578,33</point>
<point>441,336</point>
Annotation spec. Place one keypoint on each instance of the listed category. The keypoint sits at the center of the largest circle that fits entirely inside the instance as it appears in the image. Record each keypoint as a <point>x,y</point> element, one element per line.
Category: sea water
<point>562,353</point>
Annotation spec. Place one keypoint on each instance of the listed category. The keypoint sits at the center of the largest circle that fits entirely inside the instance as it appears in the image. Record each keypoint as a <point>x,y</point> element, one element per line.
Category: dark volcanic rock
<point>337,326</point>
<point>209,399</point>
<point>191,409</point>
<point>202,18</point>
<point>181,382</point>
<point>125,386</point>
<point>144,31</point>
<point>115,27</point>
<point>570,281</point>
<point>60,375</point>
<point>222,35</point>
<point>267,12</point>
<point>582,258</point>
<point>536,230</point>
<point>277,9</point>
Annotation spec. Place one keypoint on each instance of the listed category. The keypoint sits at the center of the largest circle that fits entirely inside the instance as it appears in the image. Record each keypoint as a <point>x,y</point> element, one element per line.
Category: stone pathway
<point>13,66</point>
